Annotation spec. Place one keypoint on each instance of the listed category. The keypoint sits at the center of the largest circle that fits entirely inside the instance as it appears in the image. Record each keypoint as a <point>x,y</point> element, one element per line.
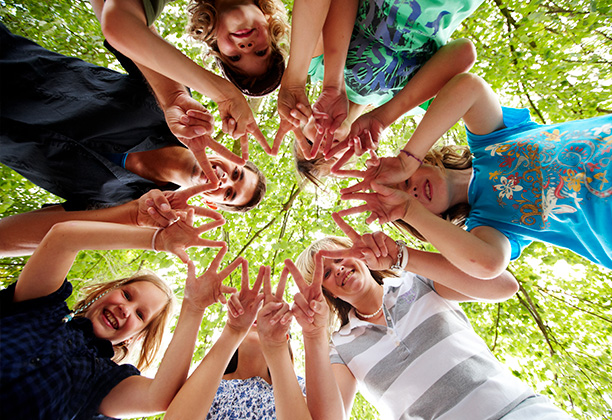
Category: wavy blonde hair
<point>305,262</point>
<point>153,334</point>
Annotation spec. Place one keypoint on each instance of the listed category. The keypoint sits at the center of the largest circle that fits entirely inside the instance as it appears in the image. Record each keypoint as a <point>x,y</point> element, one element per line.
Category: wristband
<point>402,256</point>
<point>412,156</point>
<point>154,238</point>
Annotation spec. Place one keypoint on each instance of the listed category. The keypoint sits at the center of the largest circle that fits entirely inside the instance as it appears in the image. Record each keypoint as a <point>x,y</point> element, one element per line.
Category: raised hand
<point>293,105</point>
<point>238,122</point>
<point>198,146</point>
<point>181,235</point>
<point>366,132</point>
<point>187,118</point>
<point>273,319</point>
<point>378,250</point>
<point>208,288</point>
<point>242,307</point>
<point>385,204</point>
<point>309,306</point>
<point>160,209</point>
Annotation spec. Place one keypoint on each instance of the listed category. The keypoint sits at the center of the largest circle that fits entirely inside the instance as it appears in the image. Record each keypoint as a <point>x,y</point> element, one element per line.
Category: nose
<point>338,268</point>
<point>414,192</point>
<point>124,311</point>
<point>245,45</point>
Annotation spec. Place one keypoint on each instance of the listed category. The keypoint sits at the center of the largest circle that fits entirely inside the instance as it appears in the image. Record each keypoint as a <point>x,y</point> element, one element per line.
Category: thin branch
<point>531,308</point>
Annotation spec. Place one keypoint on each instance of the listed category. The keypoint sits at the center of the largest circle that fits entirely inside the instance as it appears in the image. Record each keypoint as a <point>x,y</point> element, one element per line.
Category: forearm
<point>20,234</point>
<point>336,38</point>
<point>306,28</point>
<point>477,257</point>
<point>446,276</point>
<point>194,399</point>
<point>288,398</point>
<point>322,392</point>
<point>125,28</point>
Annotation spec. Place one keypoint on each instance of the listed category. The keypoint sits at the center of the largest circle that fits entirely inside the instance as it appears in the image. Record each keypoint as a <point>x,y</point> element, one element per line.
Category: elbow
<point>488,267</point>
<point>114,28</point>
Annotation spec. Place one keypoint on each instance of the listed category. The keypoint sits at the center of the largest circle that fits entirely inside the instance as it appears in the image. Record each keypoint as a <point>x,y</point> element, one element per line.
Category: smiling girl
<point>61,364</point>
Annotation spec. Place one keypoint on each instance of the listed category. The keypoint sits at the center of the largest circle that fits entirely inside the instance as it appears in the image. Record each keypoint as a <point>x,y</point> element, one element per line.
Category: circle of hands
<point>331,136</point>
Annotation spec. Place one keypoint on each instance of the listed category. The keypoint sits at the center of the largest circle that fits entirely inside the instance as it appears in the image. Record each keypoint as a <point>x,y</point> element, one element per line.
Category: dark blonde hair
<point>312,170</point>
<point>203,27</point>
<point>153,333</point>
<point>305,262</point>
<point>445,157</point>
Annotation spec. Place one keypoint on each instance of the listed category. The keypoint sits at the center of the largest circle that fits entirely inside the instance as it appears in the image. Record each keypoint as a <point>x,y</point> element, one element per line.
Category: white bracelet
<point>402,256</point>
<point>154,238</point>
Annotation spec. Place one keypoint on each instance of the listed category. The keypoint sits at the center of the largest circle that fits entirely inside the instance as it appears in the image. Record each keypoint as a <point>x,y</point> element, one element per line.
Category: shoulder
<point>8,307</point>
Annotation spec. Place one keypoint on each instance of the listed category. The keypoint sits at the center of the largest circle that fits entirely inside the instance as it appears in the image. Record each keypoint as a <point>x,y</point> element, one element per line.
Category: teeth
<point>111,318</point>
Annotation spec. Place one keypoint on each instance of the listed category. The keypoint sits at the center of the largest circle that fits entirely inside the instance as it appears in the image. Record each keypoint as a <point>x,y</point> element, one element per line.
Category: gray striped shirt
<point>427,363</point>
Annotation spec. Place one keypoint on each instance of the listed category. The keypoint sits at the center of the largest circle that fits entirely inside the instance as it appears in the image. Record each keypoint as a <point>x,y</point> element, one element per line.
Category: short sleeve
<point>154,8</point>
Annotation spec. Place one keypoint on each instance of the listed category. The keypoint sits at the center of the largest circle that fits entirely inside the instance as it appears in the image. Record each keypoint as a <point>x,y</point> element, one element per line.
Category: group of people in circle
<point>127,151</point>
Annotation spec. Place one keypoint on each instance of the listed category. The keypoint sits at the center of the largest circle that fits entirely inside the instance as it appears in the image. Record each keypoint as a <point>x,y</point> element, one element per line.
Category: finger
<point>317,279</point>
<point>279,316</point>
<point>368,142</point>
<point>370,243</point>
<point>316,145</point>
<point>221,150</point>
<point>210,225</point>
<point>302,305</point>
<point>226,289</point>
<point>380,239</point>
<point>283,129</point>
<point>374,159</point>
<point>258,282</point>
<point>234,307</point>
<point>256,132</point>
<point>191,271</point>
<point>360,186</point>
<point>338,253</point>
<point>299,115</point>
<point>183,195</point>
<point>227,270</point>
<point>302,142</point>
<point>337,149</point>
<point>244,147</point>
<point>163,220</point>
<point>345,227</point>
<point>182,255</point>
<point>280,287</point>
<point>244,276</point>
<point>358,144</point>
<point>297,275</point>
<point>262,277</point>
<point>214,265</point>
<point>354,210</point>
<point>365,196</point>
<point>206,212</point>
<point>337,167</point>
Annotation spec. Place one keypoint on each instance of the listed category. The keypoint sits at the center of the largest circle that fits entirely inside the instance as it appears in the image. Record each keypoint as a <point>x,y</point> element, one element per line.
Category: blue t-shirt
<point>390,42</point>
<point>548,183</point>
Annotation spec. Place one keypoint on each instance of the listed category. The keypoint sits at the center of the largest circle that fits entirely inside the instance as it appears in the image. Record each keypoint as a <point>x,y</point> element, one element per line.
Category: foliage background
<point>550,56</point>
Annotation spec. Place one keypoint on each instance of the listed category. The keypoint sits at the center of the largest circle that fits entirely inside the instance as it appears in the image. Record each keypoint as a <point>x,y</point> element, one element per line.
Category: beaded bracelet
<point>412,156</point>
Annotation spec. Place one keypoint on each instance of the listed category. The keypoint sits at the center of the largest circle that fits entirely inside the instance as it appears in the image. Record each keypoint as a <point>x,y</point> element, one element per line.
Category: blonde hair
<point>152,335</point>
<point>312,170</point>
<point>305,262</point>
<point>446,157</point>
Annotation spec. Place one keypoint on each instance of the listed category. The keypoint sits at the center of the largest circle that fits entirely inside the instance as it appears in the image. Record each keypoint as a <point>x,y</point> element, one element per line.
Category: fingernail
<point>165,207</point>
<point>199,130</point>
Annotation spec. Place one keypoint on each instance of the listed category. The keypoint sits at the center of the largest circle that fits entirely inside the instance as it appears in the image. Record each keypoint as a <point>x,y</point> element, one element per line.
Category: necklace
<point>368,316</point>
<point>71,315</point>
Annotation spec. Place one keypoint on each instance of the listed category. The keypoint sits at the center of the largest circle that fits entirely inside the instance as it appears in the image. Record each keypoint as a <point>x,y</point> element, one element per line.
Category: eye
<point>235,174</point>
<point>261,53</point>
<point>233,58</point>
<point>326,274</point>
<point>228,194</point>
<point>126,295</point>
<point>338,260</point>
<point>140,315</point>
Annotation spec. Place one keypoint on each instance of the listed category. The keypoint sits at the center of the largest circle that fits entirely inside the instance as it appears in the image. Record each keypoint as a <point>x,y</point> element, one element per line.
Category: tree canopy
<point>552,57</point>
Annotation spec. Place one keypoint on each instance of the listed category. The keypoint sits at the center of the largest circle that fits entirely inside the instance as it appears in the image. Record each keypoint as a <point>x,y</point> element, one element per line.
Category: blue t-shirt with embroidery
<point>549,183</point>
<point>391,40</point>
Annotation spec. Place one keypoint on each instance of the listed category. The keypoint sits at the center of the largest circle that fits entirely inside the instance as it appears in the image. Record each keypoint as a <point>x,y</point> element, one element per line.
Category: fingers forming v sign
<point>242,307</point>
<point>198,147</point>
<point>181,235</point>
<point>385,204</point>
<point>309,306</point>
<point>208,288</point>
<point>274,317</point>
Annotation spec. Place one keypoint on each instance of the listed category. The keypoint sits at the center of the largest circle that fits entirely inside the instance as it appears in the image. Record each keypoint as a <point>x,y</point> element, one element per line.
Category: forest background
<point>553,57</point>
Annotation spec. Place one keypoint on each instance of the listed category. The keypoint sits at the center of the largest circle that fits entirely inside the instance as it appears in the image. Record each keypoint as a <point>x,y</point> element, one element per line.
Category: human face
<point>346,278</point>
<point>237,183</point>
<point>125,311</point>
<point>430,186</point>
<point>243,39</point>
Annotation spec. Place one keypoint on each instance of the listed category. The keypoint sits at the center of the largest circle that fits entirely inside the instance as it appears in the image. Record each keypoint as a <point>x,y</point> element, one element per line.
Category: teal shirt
<point>390,42</point>
<point>153,9</point>
<point>548,183</point>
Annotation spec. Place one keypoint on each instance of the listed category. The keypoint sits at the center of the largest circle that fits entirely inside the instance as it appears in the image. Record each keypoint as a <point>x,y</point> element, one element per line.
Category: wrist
<point>155,239</point>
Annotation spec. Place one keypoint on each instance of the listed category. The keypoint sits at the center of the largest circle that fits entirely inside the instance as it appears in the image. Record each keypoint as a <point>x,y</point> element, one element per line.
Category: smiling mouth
<point>243,33</point>
<point>110,318</point>
<point>347,277</point>
<point>427,190</point>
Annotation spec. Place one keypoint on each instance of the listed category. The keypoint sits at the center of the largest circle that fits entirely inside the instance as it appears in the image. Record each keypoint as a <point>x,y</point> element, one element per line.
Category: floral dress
<point>243,399</point>
<point>550,183</point>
